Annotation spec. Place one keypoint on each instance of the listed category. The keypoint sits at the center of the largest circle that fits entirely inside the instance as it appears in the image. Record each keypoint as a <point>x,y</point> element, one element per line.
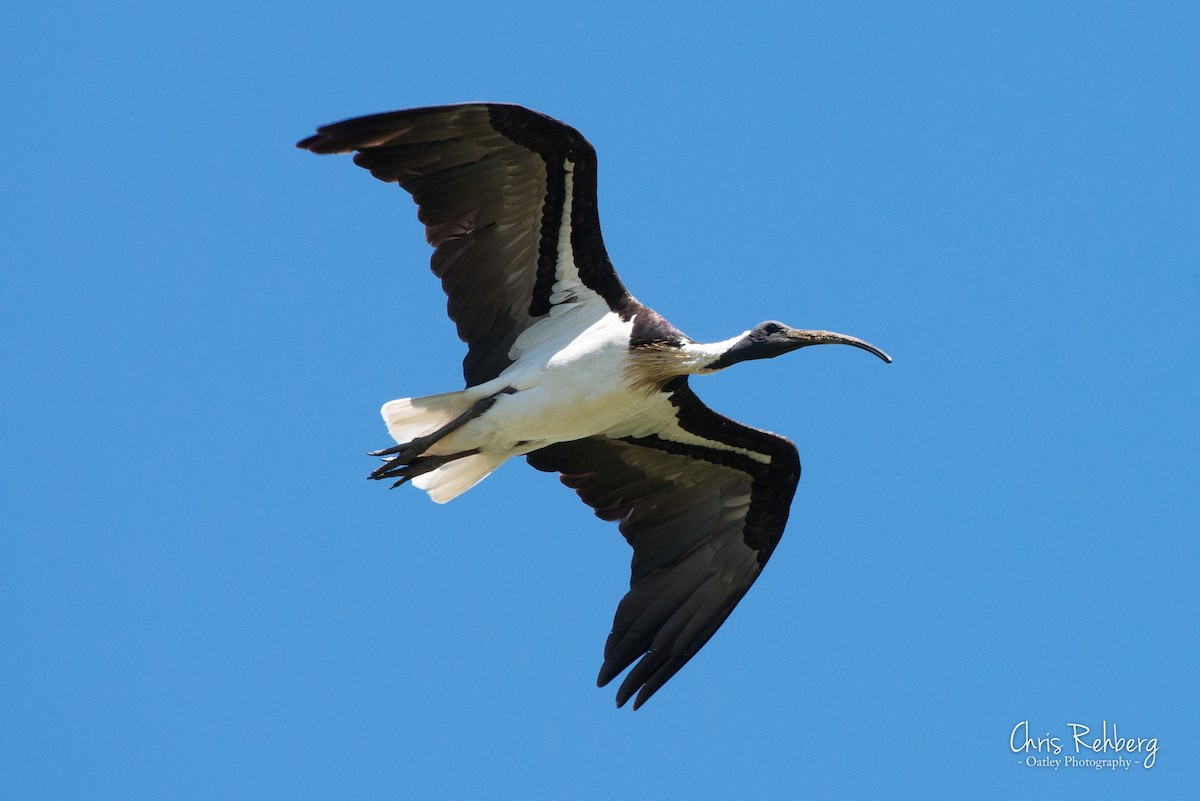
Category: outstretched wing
<point>703,500</point>
<point>508,199</point>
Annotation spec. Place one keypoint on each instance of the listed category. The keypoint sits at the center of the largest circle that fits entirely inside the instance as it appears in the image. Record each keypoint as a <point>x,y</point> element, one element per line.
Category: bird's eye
<point>771,328</point>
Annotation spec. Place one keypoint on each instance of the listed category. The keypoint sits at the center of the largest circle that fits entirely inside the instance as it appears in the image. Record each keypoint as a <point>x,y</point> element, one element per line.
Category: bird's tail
<point>417,424</point>
<point>454,478</point>
<point>409,418</point>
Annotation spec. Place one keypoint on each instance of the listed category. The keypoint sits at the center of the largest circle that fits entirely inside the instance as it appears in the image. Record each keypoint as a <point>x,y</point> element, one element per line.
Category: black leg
<point>405,460</point>
<point>408,451</point>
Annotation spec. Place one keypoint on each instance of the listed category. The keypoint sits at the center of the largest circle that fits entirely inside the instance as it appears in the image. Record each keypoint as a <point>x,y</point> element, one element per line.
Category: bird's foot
<point>406,451</point>
<point>408,469</point>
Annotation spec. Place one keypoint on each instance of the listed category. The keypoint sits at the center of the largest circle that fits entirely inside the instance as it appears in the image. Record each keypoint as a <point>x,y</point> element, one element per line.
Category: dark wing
<point>703,501</point>
<point>508,199</point>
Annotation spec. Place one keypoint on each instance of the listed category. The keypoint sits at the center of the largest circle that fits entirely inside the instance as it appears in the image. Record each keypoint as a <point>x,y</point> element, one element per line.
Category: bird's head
<point>769,339</point>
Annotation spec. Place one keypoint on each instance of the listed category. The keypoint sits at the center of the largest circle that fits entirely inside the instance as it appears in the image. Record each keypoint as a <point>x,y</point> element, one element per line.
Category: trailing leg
<point>419,424</point>
<point>410,450</point>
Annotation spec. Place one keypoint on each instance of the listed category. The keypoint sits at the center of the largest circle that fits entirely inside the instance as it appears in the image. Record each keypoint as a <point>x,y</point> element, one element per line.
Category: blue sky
<point>198,322</point>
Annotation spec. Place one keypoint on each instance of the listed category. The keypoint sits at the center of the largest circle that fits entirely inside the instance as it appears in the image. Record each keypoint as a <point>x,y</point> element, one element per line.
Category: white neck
<point>697,355</point>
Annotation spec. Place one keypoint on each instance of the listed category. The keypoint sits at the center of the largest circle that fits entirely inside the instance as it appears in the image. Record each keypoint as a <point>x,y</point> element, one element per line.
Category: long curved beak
<point>805,338</point>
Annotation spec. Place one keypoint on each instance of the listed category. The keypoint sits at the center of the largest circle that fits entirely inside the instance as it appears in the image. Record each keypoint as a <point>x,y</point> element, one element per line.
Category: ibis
<point>567,369</point>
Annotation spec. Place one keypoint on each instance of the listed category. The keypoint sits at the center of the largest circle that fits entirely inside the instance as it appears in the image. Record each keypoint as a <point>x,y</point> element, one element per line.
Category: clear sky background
<point>202,598</point>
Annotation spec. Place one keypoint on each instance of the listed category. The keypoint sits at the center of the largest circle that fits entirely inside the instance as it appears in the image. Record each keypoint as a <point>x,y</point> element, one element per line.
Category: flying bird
<point>567,369</point>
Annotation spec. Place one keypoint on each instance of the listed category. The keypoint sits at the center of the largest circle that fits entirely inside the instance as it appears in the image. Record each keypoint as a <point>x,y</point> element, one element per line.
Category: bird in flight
<point>567,369</point>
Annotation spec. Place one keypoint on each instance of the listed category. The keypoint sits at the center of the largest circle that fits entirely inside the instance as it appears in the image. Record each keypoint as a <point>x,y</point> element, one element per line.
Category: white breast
<point>566,388</point>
